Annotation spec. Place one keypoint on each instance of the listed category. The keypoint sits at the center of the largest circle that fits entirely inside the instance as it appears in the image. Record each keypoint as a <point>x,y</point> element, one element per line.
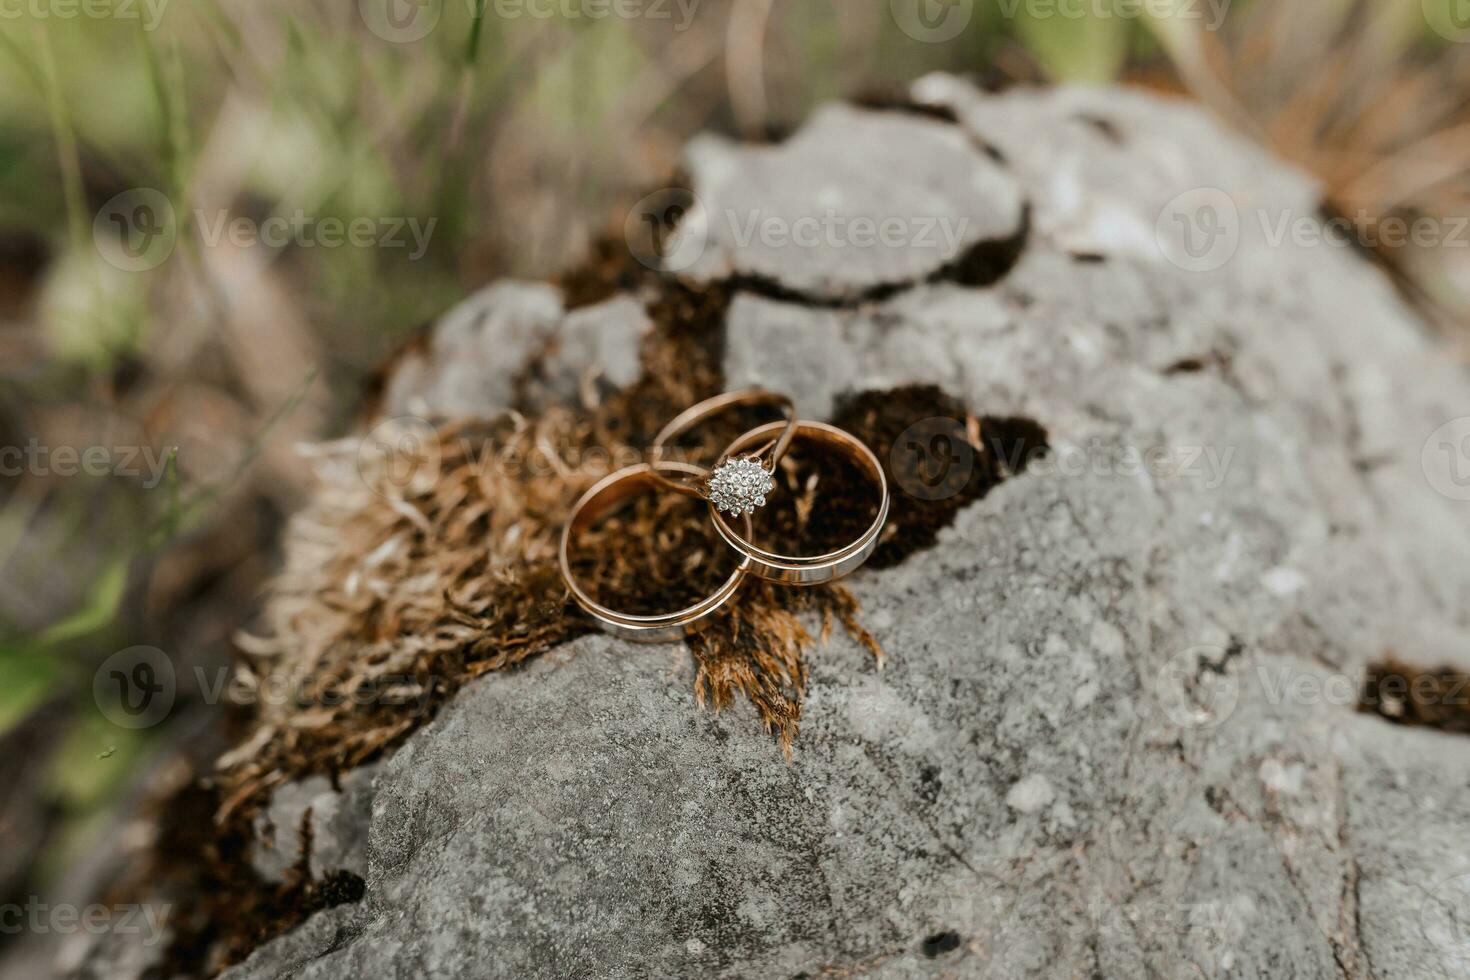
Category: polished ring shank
<point>605,496</point>
<point>814,569</point>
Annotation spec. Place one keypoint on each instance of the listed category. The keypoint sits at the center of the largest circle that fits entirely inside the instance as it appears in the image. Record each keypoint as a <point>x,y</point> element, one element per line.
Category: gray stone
<point>791,349</point>
<point>484,348</point>
<point>1116,734</point>
<point>853,202</point>
<point>339,820</point>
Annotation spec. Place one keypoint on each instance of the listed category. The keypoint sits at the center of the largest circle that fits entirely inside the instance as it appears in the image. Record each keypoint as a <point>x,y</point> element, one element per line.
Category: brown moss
<point>1408,695</point>
<point>222,908</point>
<point>610,270</point>
<point>998,448</point>
<point>758,649</point>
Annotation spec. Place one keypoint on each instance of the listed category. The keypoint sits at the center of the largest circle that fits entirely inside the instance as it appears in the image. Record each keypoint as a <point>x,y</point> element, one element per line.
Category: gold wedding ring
<point>604,497</point>
<point>735,486</point>
<point>810,569</point>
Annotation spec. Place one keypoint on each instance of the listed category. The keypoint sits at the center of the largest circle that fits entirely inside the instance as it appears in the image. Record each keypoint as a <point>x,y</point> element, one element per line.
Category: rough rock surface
<point>1116,734</point>
<point>339,822</point>
<point>871,201</point>
<point>481,350</point>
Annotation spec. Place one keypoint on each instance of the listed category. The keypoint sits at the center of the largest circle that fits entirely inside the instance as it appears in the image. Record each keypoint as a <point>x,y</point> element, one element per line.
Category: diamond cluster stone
<point>740,484</point>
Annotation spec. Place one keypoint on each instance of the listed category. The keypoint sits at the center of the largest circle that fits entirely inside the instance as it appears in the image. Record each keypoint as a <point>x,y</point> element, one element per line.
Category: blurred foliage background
<point>521,130</point>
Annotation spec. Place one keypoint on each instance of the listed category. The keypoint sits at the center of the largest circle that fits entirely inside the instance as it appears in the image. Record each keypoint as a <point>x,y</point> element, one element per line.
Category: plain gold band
<point>605,496</point>
<point>814,569</point>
